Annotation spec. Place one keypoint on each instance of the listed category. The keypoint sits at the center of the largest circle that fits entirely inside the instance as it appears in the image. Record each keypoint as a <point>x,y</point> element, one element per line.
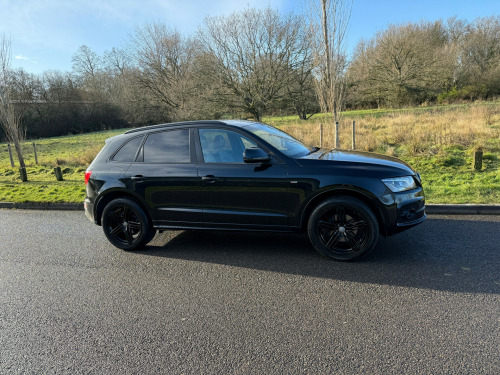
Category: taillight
<point>87,176</point>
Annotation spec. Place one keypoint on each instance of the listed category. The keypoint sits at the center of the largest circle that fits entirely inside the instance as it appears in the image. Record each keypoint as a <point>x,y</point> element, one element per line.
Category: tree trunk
<point>257,115</point>
<point>19,152</point>
<point>330,88</point>
<point>325,40</point>
<point>301,112</point>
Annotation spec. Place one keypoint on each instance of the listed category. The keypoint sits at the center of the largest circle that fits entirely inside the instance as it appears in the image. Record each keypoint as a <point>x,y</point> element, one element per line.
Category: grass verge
<point>438,142</point>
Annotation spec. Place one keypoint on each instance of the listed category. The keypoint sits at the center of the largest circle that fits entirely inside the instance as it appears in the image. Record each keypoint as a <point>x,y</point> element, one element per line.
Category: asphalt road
<point>425,301</point>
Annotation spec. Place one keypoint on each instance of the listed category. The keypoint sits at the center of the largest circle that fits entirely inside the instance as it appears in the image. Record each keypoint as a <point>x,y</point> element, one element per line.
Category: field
<point>72,153</point>
<point>438,142</point>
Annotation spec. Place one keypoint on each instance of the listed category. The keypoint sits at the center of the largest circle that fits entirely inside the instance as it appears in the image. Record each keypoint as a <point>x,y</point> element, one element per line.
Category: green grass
<point>446,171</point>
<point>73,153</point>
<point>42,186</point>
<point>450,178</point>
<point>70,149</point>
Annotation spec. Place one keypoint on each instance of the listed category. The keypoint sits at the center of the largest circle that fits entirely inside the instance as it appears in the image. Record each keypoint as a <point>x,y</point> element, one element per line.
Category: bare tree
<point>253,54</point>
<point>88,68</point>
<point>86,62</point>
<point>9,118</point>
<point>164,59</point>
<point>117,61</point>
<point>362,90</point>
<point>404,64</point>
<point>480,56</point>
<point>301,93</point>
<point>329,20</point>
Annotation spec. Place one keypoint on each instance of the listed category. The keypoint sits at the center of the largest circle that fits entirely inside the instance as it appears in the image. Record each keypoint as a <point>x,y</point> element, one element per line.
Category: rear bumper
<point>89,209</point>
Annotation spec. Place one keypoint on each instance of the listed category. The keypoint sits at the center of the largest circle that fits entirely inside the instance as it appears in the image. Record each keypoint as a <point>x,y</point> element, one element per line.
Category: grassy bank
<point>72,153</point>
<point>437,141</point>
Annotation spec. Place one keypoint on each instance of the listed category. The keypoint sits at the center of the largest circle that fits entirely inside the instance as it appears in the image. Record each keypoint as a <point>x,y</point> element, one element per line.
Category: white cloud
<point>20,57</point>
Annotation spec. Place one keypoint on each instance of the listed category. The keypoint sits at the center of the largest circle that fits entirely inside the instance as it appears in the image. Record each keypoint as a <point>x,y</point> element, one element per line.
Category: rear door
<point>165,176</point>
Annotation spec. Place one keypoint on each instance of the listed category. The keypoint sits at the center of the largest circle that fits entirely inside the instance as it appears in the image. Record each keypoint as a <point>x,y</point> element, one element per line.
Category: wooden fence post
<point>320,135</point>
<point>354,135</point>
<point>337,141</point>
<point>10,155</point>
<point>36,156</point>
<point>59,175</point>
<point>478,159</point>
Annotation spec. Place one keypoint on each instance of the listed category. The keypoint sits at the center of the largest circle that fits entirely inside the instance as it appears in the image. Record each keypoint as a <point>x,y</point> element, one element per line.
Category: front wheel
<point>126,225</point>
<point>343,228</point>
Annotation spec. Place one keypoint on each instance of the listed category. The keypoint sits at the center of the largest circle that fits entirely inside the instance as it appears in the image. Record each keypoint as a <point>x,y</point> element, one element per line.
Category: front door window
<point>223,146</point>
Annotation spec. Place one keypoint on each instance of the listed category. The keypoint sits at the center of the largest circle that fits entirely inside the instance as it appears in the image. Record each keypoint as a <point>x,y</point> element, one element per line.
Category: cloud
<point>20,57</point>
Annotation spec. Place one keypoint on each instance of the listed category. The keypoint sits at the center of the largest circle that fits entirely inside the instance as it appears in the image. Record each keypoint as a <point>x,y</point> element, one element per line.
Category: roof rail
<point>173,124</point>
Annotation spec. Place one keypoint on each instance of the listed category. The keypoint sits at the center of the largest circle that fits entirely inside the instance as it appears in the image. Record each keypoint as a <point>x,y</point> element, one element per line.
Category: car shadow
<point>441,254</point>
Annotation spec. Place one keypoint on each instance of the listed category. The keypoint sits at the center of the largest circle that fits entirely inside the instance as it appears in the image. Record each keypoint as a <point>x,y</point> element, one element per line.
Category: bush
<point>465,93</point>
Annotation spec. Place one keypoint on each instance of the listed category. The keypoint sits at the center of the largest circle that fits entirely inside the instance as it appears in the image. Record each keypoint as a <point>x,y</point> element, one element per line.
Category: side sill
<point>238,229</point>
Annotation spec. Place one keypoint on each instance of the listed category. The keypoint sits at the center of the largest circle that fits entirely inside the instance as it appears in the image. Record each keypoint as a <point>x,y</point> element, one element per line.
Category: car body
<point>243,175</point>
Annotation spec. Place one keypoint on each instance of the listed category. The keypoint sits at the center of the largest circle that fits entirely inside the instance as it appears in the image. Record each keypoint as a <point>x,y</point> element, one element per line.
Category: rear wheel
<point>343,228</point>
<point>126,225</point>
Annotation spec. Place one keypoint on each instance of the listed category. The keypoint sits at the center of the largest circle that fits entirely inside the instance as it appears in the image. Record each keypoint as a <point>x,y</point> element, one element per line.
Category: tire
<point>126,225</point>
<point>343,228</point>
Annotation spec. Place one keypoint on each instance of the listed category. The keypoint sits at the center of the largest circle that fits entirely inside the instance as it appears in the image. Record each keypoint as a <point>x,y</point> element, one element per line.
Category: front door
<point>235,193</point>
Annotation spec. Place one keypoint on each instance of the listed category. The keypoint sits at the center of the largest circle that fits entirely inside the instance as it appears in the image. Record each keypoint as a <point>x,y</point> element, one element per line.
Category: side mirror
<point>255,155</point>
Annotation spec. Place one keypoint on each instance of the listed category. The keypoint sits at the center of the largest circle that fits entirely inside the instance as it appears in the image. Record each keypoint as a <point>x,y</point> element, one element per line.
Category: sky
<point>45,34</point>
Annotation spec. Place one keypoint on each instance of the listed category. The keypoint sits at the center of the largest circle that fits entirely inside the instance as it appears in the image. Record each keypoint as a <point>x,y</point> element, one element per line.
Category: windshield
<point>282,141</point>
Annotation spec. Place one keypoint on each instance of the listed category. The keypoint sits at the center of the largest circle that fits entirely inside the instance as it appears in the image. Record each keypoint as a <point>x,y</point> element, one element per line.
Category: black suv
<point>242,175</point>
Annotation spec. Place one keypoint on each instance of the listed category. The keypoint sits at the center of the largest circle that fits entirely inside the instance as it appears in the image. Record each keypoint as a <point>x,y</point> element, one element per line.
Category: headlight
<point>398,184</point>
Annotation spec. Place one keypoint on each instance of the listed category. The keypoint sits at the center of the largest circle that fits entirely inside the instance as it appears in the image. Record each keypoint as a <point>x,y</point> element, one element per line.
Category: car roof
<point>238,123</point>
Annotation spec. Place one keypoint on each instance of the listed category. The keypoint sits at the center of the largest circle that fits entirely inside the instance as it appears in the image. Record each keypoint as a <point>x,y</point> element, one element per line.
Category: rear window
<point>168,147</point>
<point>128,151</point>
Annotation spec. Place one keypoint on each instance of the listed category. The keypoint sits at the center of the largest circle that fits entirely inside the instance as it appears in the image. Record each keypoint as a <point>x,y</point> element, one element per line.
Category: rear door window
<point>168,147</point>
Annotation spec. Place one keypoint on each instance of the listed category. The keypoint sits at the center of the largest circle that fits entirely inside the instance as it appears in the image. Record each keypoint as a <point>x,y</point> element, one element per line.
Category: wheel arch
<point>343,192</point>
<point>107,197</point>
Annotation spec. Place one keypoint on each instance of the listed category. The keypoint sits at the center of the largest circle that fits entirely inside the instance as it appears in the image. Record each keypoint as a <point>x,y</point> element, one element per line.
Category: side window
<point>127,153</point>
<point>223,146</point>
<point>168,147</point>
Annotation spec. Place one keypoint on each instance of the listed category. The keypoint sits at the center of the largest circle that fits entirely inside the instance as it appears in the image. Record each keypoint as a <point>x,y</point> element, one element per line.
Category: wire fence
<point>31,152</point>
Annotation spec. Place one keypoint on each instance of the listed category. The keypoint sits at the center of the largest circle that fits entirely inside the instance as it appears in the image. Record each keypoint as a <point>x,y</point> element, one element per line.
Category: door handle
<point>209,179</point>
<point>138,178</point>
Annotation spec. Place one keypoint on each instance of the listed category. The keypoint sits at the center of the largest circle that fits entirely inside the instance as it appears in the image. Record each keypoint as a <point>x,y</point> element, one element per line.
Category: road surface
<point>425,301</point>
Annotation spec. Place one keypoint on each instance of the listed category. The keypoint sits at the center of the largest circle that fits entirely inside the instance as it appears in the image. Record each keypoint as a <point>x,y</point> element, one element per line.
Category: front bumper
<point>411,213</point>
<point>407,209</point>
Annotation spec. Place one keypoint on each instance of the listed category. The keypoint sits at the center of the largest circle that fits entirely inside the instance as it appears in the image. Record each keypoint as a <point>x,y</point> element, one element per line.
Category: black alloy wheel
<point>343,228</point>
<point>126,225</point>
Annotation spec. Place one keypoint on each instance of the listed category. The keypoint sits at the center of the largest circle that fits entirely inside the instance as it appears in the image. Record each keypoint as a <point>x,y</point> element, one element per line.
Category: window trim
<point>111,158</point>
